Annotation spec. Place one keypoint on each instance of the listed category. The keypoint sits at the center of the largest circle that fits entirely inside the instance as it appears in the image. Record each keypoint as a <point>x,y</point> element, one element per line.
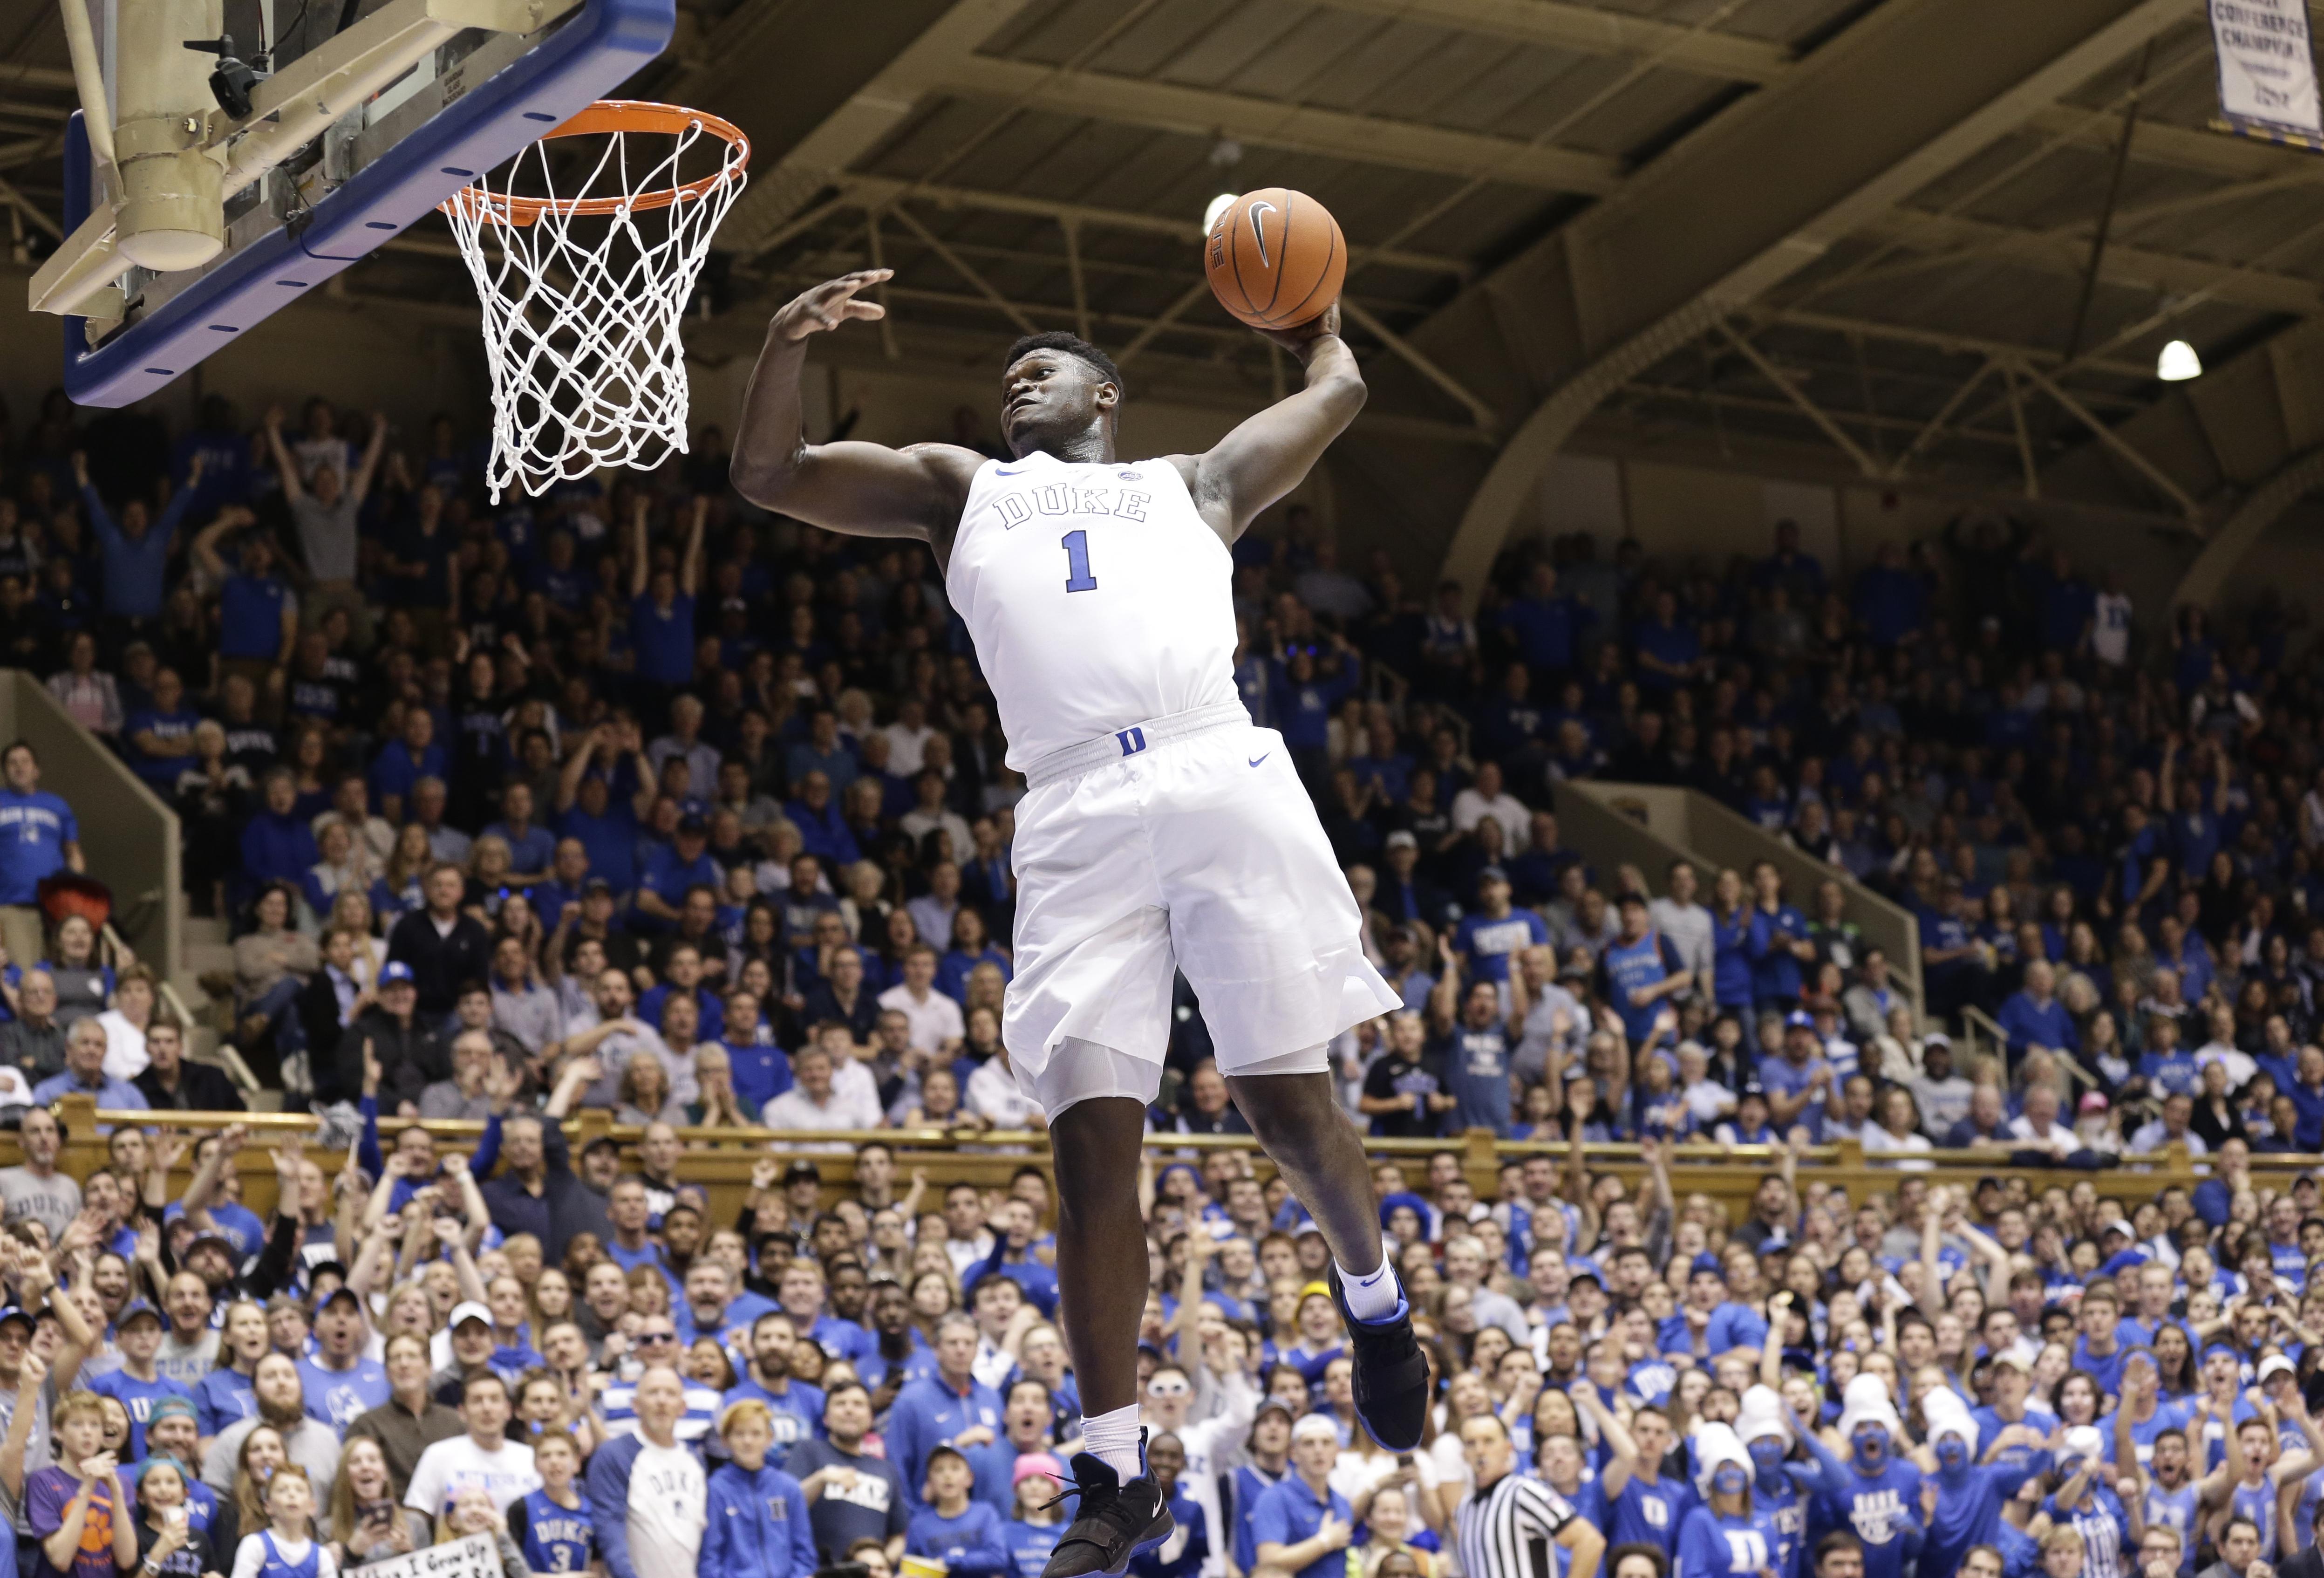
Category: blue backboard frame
<point>584,61</point>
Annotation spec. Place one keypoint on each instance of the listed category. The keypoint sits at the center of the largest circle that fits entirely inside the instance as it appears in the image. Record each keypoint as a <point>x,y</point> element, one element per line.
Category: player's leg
<point>1096,1099</point>
<point>1264,926</point>
<point>1297,1117</point>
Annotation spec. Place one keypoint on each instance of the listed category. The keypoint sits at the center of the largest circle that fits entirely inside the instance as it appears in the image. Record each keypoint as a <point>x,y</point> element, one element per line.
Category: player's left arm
<point>1272,453</point>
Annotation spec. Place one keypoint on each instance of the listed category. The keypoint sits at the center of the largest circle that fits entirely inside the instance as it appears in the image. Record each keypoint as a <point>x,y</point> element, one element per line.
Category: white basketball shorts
<point>1185,843</point>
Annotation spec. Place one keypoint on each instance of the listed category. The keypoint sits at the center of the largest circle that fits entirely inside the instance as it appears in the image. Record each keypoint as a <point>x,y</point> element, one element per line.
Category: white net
<point>585,283</point>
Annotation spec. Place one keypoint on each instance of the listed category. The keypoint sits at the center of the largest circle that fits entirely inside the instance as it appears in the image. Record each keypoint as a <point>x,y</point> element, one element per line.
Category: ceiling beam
<point>816,161</point>
<point>1201,112</point>
<point>1937,339</point>
<point>2160,143</point>
<point>1916,230</point>
<point>1749,200</point>
<point>1587,29</point>
<point>883,190</point>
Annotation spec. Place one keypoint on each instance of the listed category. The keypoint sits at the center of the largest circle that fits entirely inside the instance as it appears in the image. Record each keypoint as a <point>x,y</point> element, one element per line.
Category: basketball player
<point>1160,830</point>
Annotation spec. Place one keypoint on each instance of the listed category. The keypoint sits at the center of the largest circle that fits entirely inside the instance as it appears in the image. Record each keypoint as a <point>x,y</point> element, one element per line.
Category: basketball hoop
<point>584,289</point>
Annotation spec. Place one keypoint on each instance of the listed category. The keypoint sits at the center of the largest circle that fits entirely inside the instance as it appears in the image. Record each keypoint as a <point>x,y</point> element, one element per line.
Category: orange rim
<point>613,115</point>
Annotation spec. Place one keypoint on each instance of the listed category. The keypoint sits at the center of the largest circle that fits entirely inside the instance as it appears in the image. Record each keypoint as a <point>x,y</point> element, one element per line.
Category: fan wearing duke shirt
<point>1874,1495</point>
<point>1162,832</point>
<point>39,837</point>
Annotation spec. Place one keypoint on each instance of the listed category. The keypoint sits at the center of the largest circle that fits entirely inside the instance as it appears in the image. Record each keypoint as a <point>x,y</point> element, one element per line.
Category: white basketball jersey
<point>1096,596</point>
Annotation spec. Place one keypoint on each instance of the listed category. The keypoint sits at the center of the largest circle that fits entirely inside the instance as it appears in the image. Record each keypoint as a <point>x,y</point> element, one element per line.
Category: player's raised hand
<point>1299,337</point>
<point>829,305</point>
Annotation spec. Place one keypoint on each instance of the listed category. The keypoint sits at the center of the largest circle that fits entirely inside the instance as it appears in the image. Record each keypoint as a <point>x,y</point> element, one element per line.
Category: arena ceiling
<point>1925,244</point>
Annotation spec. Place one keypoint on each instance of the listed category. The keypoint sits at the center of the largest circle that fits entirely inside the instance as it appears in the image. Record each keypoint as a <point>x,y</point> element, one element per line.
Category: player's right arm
<point>866,490</point>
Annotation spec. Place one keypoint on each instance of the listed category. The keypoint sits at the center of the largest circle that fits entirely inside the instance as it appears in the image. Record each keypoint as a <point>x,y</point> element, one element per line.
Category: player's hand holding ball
<point>1276,260</point>
<point>829,305</point>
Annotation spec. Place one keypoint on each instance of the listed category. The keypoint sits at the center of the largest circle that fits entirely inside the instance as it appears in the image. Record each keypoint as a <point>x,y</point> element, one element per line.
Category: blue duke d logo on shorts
<point>1133,741</point>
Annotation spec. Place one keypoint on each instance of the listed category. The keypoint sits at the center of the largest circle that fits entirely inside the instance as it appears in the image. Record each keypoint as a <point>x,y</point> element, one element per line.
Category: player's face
<point>1047,394</point>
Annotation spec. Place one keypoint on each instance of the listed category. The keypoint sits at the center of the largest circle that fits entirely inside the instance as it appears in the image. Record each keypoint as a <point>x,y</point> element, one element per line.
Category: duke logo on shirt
<point>1876,1515</point>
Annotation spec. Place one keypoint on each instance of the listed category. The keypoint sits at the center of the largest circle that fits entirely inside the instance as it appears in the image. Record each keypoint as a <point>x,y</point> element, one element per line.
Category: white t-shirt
<point>928,1025</point>
<point>451,1466</point>
<point>2110,628</point>
<point>668,1511</point>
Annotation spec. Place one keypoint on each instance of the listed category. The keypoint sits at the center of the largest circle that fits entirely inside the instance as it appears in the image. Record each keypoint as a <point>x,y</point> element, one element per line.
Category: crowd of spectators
<point>631,797</point>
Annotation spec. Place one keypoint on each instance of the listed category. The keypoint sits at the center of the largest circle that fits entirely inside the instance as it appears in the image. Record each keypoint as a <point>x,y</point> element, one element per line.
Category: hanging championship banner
<point>2267,71</point>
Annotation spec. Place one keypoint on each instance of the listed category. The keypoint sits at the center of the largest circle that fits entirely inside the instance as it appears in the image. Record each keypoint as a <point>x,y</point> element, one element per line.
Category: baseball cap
<point>2276,1364</point>
<point>1627,900</point>
<point>465,1311</point>
<point>396,973</point>
<point>1799,1018</point>
<point>1706,1263</point>
<point>1401,839</point>
<point>2014,1359</point>
<point>12,1313</point>
<point>1313,1425</point>
<point>172,1407</point>
<point>692,825</point>
<point>336,1294</point>
<point>1490,874</point>
<point>596,885</point>
<point>1036,1463</point>
<point>802,1169</point>
<point>1271,1405</point>
<point>1317,1291</point>
<point>133,1309</point>
<point>2092,1102</point>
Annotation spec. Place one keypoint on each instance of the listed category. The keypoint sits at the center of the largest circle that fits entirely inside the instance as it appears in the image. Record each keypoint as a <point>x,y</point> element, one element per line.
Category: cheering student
<point>285,1547</point>
<point>758,1515</point>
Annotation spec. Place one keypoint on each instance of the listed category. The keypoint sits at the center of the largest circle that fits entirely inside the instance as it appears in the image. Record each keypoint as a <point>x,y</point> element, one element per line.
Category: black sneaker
<point>1115,1521</point>
<point>1389,1372</point>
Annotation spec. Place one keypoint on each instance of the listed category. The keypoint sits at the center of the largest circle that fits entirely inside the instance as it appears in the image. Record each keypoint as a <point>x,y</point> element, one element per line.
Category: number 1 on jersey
<point>1078,578</point>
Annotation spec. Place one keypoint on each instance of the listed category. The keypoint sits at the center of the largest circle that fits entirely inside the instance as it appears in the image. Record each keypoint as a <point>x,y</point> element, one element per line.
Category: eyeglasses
<point>645,1337</point>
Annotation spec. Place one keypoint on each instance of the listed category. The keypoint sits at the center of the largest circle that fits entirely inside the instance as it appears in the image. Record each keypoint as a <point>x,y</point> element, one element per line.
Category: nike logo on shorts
<point>1261,757</point>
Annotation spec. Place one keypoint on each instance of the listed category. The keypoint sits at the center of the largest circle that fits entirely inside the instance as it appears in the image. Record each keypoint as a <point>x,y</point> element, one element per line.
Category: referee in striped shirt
<point>1503,1530</point>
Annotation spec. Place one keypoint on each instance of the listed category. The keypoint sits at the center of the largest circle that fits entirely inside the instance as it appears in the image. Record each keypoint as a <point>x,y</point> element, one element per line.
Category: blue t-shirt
<point>221,1398</point>
<point>1476,1071</point>
<point>1289,1513</point>
<point>250,616</point>
<point>1713,1547</point>
<point>796,1414</point>
<point>338,1398</point>
<point>1030,1545</point>
<point>1488,944</point>
<point>138,1397</point>
<point>1648,1514</point>
<point>1881,1510</point>
<point>556,1539</point>
<point>664,642</point>
<point>34,828</point>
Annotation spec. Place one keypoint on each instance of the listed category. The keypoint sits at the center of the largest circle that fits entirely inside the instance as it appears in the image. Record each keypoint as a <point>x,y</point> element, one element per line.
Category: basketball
<point>1276,258</point>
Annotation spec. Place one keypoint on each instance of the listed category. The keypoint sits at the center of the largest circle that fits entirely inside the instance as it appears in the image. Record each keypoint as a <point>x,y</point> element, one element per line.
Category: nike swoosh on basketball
<point>1261,757</point>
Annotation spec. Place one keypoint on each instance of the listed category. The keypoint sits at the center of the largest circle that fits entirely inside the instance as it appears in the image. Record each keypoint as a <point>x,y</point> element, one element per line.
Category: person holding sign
<point>473,1513</point>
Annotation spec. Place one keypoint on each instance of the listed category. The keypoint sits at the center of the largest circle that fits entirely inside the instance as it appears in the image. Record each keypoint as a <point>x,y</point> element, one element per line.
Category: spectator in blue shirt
<point>258,613</point>
<point>532,848</point>
<point>403,762</point>
<point>933,1410</point>
<point>1544,625</point>
<point>161,734</point>
<point>1303,1527</point>
<point>136,551</point>
<point>661,607</point>
<point>85,1073</point>
<point>278,845</point>
<point>39,837</point>
<point>2034,1020</point>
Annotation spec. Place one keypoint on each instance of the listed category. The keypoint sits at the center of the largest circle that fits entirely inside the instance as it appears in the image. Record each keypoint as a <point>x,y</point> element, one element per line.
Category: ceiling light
<point>1225,201</point>
<point>2178,363</point>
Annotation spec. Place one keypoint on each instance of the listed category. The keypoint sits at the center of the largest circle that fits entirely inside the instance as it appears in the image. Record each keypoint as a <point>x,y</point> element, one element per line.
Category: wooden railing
<point>721,1160</point>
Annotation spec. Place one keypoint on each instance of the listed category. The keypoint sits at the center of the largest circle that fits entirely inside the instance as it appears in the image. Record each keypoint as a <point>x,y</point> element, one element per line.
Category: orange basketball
<point>1276,258</point>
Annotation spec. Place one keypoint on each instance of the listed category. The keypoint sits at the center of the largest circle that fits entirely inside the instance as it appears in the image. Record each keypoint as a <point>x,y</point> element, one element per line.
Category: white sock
<point>1112,1438</point>
<point>1372,1296</point>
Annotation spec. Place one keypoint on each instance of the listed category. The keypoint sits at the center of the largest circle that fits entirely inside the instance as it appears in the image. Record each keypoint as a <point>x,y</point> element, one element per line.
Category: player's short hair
<point>1071,344</point>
